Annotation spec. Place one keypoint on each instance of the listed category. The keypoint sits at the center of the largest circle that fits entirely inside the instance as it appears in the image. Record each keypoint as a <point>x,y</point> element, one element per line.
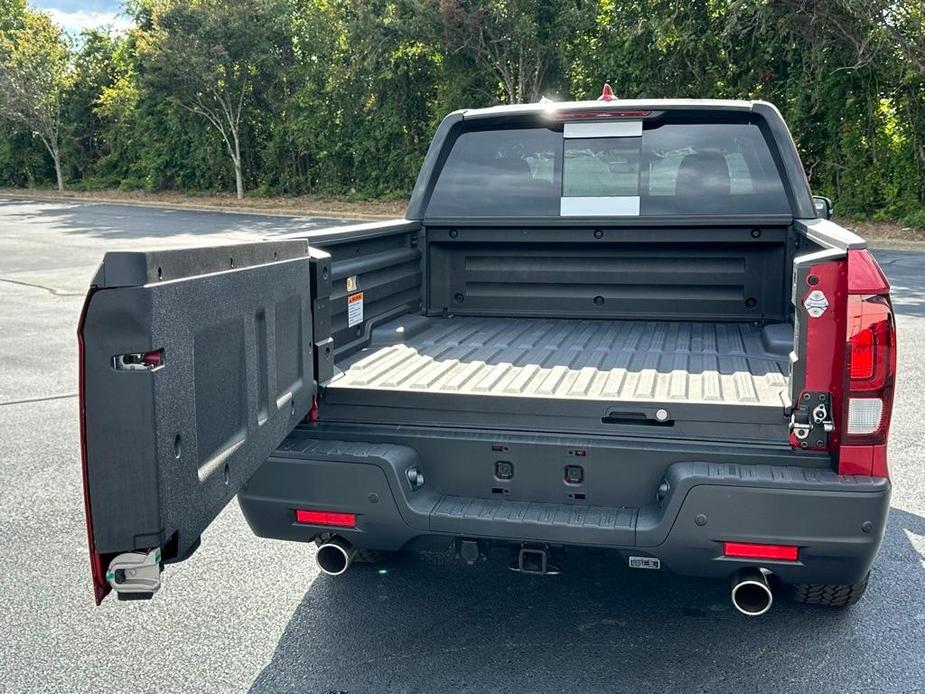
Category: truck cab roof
<point>615,106</point>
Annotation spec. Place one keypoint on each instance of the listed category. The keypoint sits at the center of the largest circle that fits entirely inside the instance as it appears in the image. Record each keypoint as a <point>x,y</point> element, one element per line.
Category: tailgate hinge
<point>135,575</point>
<point>812,420</point>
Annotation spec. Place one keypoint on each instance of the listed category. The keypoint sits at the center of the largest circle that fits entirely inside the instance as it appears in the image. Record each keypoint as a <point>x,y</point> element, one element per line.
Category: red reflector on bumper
<point>747,550</point>
<point>343,520</point>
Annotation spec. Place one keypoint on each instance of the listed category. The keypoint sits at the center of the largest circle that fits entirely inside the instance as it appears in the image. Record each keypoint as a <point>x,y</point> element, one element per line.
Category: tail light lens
<point>871,368</point>
<point>862,354</point>
<point>870,372</point>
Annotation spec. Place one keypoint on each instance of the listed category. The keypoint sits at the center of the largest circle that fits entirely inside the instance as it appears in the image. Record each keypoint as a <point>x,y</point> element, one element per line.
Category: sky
<point>75,15</point>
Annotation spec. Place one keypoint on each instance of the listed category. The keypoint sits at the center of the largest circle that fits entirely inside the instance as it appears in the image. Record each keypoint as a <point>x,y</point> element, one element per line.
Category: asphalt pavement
<point>247,614</point>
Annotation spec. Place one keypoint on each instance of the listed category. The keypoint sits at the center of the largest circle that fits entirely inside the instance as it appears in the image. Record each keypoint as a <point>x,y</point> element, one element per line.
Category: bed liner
<point>624,361</point>
<point>741,364</point>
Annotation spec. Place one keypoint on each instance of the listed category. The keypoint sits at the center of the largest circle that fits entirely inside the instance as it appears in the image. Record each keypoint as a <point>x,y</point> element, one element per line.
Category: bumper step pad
<point>535,520</point>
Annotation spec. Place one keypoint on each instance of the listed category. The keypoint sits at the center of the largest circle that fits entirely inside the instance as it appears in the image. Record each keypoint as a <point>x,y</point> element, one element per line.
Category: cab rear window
<point>621,168</point>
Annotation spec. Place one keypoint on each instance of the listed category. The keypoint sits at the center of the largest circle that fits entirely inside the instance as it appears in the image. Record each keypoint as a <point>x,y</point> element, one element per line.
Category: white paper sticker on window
<point>354,309</point>
<point>622,128</point>
<point>610,206</point>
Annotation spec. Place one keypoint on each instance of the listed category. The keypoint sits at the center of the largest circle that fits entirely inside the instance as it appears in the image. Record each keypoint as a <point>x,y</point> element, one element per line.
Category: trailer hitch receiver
<point>534,560</point>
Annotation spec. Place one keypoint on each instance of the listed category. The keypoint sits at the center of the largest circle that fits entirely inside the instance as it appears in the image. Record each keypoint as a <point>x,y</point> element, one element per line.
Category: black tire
<point>828,594</point>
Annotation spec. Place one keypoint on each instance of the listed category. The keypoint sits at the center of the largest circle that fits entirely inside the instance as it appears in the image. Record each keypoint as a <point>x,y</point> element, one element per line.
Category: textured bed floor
<point>626,361</point>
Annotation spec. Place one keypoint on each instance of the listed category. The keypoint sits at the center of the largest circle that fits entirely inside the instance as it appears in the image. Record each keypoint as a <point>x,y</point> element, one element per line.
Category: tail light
<point>870,368</point>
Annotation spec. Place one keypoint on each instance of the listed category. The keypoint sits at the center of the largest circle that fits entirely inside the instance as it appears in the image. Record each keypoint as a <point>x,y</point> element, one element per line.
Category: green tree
<point>515,40</point>
<point>12,14</point>
<point>209,58</point>
<point>94,73</point>
<point>35,72</point>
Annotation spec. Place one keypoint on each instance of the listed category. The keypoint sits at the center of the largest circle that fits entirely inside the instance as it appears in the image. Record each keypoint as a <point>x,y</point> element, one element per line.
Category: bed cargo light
<point>341,520</point>
<point>606,97</point>
<point>748,550</point>
<point>608,114</point>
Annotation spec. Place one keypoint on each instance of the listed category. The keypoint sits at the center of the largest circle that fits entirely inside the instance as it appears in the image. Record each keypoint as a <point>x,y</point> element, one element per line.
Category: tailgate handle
<point>659,418</point>
<point>139,361</point>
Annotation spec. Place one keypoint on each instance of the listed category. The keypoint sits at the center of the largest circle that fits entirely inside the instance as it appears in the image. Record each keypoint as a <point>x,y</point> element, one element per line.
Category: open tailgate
<point>194,365</point>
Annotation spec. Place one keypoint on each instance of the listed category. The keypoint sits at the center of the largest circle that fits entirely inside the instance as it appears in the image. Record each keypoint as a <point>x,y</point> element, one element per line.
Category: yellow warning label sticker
<point>354,309</point>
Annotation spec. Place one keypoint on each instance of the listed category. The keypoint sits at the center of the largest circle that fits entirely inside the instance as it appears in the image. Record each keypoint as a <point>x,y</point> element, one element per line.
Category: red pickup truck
<point>620,325</point>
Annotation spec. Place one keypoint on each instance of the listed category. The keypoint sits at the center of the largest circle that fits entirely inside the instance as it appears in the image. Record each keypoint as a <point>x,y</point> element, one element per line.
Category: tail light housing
<point>870,368</point>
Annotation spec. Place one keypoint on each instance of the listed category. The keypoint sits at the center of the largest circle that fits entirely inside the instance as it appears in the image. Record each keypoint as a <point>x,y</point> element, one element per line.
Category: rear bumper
<point>837,522</point>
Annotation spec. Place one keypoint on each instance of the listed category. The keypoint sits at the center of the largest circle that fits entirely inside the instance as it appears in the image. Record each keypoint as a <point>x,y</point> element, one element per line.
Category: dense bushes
<point>341,97</point>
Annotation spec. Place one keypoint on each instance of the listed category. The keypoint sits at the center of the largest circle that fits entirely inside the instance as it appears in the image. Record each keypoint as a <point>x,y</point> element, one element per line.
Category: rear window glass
<point>503,173</point>
<point>666,169</point>
<point>602,166</point>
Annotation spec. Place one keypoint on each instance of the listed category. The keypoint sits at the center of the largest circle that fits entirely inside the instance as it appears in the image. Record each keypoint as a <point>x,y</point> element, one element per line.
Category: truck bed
<point>643,363</point>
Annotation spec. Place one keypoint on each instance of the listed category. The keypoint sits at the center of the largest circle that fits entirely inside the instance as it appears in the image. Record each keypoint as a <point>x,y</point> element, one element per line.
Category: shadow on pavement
<point>428,623</point>
<point>906,272</point>
<point>106,220</point>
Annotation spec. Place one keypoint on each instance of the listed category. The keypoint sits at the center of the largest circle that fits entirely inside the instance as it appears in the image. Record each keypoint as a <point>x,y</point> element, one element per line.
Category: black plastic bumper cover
<point>836,521</point>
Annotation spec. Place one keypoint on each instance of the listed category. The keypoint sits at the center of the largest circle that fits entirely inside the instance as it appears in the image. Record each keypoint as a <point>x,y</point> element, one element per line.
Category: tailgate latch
<point>812,421</point>
<point>135,575</point>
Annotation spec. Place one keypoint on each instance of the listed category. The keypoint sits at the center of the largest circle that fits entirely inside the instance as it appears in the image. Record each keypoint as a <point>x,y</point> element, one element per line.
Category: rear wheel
<point>829,594</point>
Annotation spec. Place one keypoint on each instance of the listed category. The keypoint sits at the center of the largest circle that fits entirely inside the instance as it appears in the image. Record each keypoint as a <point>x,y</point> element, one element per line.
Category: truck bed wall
<point>739,273</point>
<point>380,260</point>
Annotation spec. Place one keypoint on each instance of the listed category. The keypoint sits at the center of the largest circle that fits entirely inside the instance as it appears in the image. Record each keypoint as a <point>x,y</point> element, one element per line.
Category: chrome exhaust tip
<point>335,556</point>
<point>751,593</point>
